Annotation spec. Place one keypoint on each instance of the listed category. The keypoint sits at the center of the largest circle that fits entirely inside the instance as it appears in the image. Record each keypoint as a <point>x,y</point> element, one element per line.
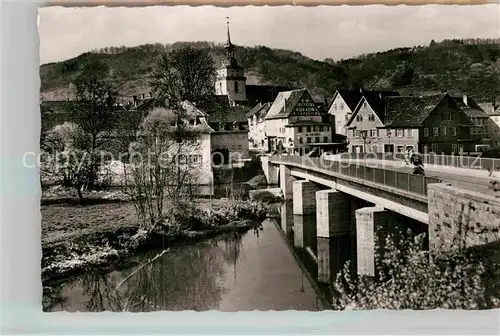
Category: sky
<point>318,32</point>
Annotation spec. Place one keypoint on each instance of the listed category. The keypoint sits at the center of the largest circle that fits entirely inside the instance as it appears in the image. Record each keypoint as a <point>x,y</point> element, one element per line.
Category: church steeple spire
<point>228,47</point>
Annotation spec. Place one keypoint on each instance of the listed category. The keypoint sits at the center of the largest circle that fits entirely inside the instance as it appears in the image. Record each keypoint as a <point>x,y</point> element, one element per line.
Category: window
<point>356,133</point>
<point>192,122</point>
<point>308,129</point>
<point>359,118</point>
<point>300,129</point>
<point>435,148</point>
<point>346,117</point>
<point>341,106</point>
<point>444,130</point>
<point>436,131</point>
<point>454,148</point>
<point>241,147</point>
<point>316,139</point>
<point>314,128</point>
<point>301,141</point>
<point>236,88</point>
<point>426,132</point>
<point>388,132</point>
<point>308,140</point>
<point>325,139</point>
<point>371,117</point>
<point>399,133</point>
<point>365,105</point>
<point>401,149</point>
<point>409,133</point>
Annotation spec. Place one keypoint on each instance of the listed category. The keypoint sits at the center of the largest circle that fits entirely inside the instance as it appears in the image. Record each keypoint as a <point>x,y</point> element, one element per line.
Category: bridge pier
<point>304,197</point>
<point>371,222</point>
<point>333,214</point>
<point>286,181</point>
<point>271,171</point>
<point>333,230</point>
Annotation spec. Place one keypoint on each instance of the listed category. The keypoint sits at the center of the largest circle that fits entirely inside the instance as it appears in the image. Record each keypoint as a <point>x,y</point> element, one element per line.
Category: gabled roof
<point>376,100</point>
<point>350,97</point>
<point>410,111</point>
<point>472,109</point>
<point>260,110</point>
<point>192,110</point>
<point>284,104</point>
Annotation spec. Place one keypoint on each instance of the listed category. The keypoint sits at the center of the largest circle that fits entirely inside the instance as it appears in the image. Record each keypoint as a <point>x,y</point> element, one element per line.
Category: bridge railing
<point>416,184</point>
<point>470,161</point>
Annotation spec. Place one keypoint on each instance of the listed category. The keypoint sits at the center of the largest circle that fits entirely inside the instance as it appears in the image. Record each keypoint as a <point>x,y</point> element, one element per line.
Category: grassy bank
<point>105,231</point>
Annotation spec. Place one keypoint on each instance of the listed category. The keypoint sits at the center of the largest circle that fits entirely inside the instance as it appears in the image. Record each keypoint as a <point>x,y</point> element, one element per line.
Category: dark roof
<point>410,111</point>
<point>376,100</point>
<point>229,114</point>
<point>260,110</point>
<point>472,109</point>
<point>263,93</point>
<point>284,104</point>
<point>350,97</point>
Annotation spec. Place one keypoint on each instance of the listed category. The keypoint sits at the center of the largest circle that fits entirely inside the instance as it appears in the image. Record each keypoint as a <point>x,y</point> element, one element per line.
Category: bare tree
<point>162,168</point>
<point>184,74</point>
<point>94,113</point>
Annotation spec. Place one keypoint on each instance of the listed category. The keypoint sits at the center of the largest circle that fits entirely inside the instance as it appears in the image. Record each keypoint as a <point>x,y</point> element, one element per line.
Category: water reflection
<point>324,258</point>
<point>255,270</point>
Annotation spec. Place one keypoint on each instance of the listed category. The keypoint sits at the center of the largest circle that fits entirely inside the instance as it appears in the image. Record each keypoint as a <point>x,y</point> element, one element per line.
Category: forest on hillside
<point>458,66</point>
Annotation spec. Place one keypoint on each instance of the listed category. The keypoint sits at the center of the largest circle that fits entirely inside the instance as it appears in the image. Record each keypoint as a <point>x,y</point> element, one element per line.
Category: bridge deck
<point>462,178</point>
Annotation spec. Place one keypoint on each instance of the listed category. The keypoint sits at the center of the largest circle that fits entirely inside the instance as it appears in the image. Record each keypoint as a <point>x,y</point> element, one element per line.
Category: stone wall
<point>459,218</point>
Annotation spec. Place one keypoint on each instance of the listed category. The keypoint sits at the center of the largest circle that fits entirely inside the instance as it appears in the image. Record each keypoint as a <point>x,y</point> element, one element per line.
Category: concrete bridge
<point>349,197</point>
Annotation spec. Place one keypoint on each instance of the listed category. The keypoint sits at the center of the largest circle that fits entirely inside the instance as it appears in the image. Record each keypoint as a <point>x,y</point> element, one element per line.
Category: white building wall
<point>341,112</point>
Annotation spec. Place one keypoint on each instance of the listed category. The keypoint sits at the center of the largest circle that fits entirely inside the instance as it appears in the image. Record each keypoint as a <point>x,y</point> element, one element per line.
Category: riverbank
<point>105,230</point>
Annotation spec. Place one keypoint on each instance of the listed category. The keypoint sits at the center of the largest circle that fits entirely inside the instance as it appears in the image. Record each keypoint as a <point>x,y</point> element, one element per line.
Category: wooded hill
<point>469,66</point>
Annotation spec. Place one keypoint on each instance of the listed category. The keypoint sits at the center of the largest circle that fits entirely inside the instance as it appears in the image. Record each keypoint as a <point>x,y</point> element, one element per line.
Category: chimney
<point>465,100</point>
<point>135,100</point>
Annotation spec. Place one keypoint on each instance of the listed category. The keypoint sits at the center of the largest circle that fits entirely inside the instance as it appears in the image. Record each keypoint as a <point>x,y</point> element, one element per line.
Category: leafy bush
<point>411,279</point>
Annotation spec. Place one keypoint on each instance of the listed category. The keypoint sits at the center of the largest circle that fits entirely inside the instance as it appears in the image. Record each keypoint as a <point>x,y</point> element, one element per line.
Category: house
<point>433,123</point>
<point>480,121</point>
<point>294,124</point>
<point>365,122</point>
<point>198,153</point>
<point>343,104</point>
<point>257,126</point>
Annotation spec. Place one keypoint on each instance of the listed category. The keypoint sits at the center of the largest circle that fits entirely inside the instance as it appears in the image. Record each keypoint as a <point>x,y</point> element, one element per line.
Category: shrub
<point>412,279</point>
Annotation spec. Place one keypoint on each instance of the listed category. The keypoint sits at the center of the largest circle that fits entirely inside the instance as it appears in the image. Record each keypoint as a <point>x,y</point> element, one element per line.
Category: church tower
<point>231,80</point>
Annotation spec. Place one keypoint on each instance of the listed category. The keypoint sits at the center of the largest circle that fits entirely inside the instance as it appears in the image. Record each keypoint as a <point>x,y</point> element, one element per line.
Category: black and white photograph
<point>269,158</point>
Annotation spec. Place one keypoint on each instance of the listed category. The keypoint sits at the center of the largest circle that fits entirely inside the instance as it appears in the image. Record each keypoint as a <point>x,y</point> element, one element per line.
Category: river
<point>270,268</point>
